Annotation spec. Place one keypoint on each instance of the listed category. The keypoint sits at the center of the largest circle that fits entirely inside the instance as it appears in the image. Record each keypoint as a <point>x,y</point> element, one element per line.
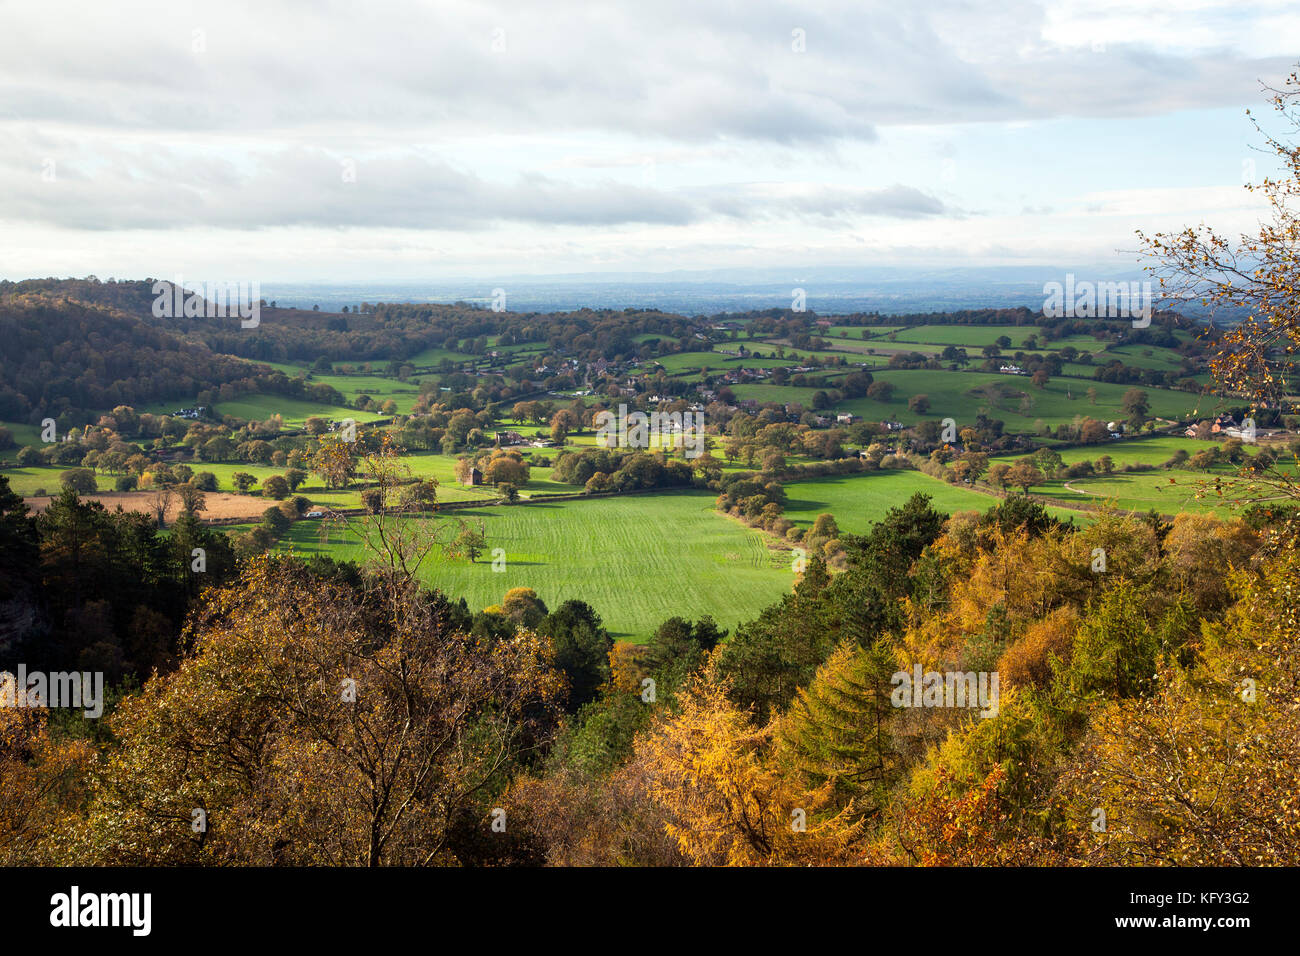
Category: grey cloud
<point>677,69</point>
<point>149,189</point>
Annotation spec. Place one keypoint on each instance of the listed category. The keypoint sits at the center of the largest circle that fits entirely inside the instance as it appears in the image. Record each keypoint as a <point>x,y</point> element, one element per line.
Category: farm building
<point>473,477</point>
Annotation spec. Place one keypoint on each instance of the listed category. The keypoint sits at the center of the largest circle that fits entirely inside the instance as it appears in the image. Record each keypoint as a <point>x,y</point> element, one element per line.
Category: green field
<point>1168,492</point>
<point>641,558</point>
<point>955,395</point>
<point>379,387</point>
<point>443,468</point>
<point>28,481</point>
<point>1127,451</point>
<point>857,501</point>
<point>858,332</point>
<point>978,336</point>
<point>22,435</point>
<point>260,407</point>
<point>638,560</point>
<point>294,411</point>
<point>431,357</point>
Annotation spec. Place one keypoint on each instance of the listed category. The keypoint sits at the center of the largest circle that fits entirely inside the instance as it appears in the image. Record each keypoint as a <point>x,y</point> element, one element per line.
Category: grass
<point>22,435</point>
<point>294,411</point>
<point>954,394</point>
<point>967,336</point>
<point>27,481</point>
<point>1144,491</point>
<point>443,468</point>
<point>637,560</point>
<point>1128,451</point>
<point>432,357</point>
<point>379,387</point>
<point>858,501</point>
<point>259,407</point>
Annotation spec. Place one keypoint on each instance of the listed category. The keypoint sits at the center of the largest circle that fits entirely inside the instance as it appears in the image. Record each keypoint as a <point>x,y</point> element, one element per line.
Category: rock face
<point>18,615</point>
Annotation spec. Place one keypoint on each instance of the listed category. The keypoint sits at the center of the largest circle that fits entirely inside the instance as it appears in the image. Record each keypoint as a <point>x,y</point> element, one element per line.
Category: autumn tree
<point>312,725</point>
<point>276,487</point>
<point>335,462</point>
<point>710,768</point>
<point>1256,274</point>
<point>43,778</point>
<point>1203,771</point>
<point>1024,475</point>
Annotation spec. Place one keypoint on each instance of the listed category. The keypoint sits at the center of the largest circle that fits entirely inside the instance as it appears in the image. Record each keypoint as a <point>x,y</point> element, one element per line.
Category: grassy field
<point>379,387</point>
<point>857,501</point>
<point>294,411</point>
<point>28,481</point>
<point>431,357</point>
<point>967,336</point>
<point>443,468</point>
<point>260,407</point>
<point>860,332</point>
<point>1128,451</point>
<point>1168,492</point>
<point>22,435</point>
<point>641,558</point>
<point>956,395</point>
<point>638,560</point>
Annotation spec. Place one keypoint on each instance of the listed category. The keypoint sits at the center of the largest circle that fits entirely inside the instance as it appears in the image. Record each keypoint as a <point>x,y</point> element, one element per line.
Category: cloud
<point>177,189</point>
<point>681,70</point>
<point>520,129</point>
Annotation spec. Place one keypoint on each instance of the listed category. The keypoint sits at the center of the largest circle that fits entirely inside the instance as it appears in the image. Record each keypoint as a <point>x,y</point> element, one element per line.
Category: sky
<point>315,140</point>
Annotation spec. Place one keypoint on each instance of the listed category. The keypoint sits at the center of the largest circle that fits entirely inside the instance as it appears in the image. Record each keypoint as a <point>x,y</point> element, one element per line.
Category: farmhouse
<point>1223,423</point>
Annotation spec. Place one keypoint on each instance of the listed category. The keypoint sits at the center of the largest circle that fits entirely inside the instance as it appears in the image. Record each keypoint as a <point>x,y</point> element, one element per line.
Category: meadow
<point>1167,492</point>
<point>956,395</point>
<point>858,501</point>
<point>379,387</point>
<point>638,559</point>
<point>293,411</point>
<point>259,407</point>
<point>22,434</point>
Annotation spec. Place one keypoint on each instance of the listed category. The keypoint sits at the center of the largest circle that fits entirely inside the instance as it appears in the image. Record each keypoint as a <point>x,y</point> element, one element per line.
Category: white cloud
<point>562,134</point>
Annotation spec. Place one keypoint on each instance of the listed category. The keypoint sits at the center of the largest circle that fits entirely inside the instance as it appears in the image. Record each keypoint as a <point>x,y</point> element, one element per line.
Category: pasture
<point>638,559</point>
